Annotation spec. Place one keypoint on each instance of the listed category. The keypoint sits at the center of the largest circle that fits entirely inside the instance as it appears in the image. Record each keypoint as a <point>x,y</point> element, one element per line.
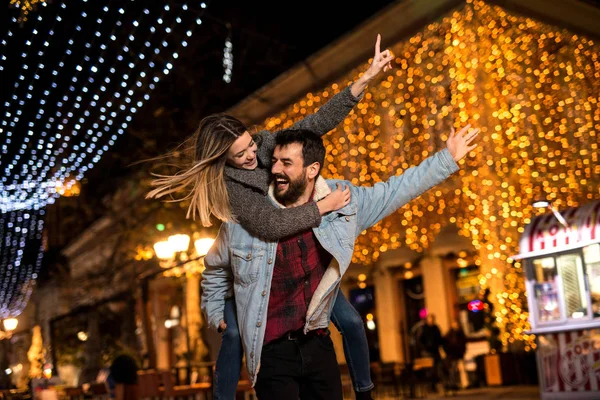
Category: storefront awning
<point>546,235</point>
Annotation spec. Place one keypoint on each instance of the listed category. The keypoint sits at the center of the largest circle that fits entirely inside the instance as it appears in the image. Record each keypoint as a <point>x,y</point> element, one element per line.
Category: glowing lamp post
<point>10,324</point>
<point>203,245</point>
<point>176,259</point>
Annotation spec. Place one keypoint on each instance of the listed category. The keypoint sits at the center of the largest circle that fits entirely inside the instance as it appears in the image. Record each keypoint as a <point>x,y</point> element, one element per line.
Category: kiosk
<point>561,260</point>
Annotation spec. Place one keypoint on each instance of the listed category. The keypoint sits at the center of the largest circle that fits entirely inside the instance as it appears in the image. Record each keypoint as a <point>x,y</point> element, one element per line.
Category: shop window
<point>567,286</point>
<point>467,290</point>
<point>570,269</point>
<point>546,290</point>
<point>363,300</point>
<point>591,256</point>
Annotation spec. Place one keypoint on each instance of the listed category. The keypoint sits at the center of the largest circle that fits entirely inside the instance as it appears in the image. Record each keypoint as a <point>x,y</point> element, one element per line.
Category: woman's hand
<point>337,199</point>
<point>459,143</point>
<point>381,61</point>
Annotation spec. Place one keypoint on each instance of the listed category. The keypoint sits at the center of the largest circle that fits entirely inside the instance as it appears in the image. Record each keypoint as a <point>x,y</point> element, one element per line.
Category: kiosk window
<point>546,291</point>
<point>591,256</point>
<point>570,269</point>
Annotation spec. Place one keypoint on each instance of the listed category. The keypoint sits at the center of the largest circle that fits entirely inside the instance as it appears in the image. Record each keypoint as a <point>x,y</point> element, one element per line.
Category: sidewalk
<point>510,392</point>
<point>491,393</point>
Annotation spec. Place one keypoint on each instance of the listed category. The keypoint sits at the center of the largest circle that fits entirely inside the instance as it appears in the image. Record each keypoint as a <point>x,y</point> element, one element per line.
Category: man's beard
<point>294,190</point>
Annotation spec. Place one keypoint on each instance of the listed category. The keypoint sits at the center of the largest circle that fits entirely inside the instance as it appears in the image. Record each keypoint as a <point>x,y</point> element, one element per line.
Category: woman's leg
<point>356,348</point>
<point>229,360</point>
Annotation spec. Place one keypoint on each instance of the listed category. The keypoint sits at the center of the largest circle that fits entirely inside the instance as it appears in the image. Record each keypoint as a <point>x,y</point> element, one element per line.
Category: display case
<point>562,269</point>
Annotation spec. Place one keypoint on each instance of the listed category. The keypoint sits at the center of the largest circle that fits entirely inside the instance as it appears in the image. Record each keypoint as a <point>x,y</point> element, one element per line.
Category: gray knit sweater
<point>248,189</point>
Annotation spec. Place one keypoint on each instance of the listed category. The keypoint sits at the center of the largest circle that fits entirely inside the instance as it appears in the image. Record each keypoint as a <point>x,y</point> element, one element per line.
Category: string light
<point>58,157</point>
<point>534,92</point>
<point>228,57</point>
<point>13,96</point>
<point>29,95</point>
<point>129,111</point>
<point>62,137</point>
<point>4,42</point>
<point>59,124</point>
<point>21,233</point>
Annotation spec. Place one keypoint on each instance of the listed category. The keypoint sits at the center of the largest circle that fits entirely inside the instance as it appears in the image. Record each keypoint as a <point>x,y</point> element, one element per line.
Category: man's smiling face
<point>289,174</point>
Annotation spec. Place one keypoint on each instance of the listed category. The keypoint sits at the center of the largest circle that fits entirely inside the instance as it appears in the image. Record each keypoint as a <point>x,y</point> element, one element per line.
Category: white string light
<point>28,96</point>
<point>4,42</point>
<point>60,176</point>
<point>228,58</point>
<point>129,111</point>
<point>13,97</point>
<point>55,123</point>
<point>21,232</point>
<point>76,159</point>
<point>60,145</point>
<point>57,157</point>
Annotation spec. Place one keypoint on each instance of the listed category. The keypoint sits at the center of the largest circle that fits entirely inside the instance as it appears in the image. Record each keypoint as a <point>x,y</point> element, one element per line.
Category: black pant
<point>304,368</point>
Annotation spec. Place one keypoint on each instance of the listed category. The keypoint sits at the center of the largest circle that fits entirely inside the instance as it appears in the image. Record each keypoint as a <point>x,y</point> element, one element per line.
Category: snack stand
<point>562,269</point>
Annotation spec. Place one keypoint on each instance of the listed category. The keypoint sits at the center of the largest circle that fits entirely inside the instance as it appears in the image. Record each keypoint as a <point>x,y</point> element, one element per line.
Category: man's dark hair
<point>313,149</point>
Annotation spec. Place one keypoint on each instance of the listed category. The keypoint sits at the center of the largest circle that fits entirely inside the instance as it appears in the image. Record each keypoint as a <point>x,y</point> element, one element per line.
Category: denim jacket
<point>240,260</point>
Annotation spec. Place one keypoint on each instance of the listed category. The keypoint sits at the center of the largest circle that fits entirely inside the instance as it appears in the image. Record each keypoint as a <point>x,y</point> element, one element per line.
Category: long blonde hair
<point>203,168</point>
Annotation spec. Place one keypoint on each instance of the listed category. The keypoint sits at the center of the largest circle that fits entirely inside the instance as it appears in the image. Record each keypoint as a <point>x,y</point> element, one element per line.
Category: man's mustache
<point>279,176</point>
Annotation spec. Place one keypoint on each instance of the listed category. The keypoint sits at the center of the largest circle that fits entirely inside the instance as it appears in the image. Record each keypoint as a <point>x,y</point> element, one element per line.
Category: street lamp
<point>179,242</point>
<point>174,252</point>
<point>163,250</point>
<point>203,245</point>
<point>175,259</point>
<point>166,250</point>
<point>544,204</point>
<point>9,324</point>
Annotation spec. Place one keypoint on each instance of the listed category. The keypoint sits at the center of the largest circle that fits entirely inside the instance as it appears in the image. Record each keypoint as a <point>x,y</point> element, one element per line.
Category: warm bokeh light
<point>203,245</point>
<point>68,189</point>
<point>179,242</point>
<point>163,250</point>
<point>10,324</point>
<point>371,325</point>
<point>531,88</point>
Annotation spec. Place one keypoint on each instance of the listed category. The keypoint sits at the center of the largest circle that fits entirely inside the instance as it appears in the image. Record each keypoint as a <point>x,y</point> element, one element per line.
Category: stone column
<point>387,316</point>
<point>195,321</point>
<point>436,296</point>
<point>160,292</point>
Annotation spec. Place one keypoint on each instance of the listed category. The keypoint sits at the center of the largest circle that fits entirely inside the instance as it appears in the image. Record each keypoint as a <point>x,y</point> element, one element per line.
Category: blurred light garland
<point>93,81</point>
<point>108,78</point>
<point>532,89</point>
<point>228,57</point>
<point>21,255</point>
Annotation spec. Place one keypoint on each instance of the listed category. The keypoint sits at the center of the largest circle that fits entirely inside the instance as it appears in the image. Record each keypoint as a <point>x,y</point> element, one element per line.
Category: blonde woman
<point>228,178</point>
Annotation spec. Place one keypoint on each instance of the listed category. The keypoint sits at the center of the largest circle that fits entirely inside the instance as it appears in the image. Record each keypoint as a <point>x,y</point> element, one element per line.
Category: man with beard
<point>285,291</point>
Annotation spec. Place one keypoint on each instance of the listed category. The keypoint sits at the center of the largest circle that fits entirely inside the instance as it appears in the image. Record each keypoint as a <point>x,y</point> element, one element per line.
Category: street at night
<point>253,200</point>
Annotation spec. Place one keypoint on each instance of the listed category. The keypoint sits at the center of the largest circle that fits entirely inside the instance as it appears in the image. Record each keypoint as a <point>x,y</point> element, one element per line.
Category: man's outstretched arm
<point>379,201</point>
